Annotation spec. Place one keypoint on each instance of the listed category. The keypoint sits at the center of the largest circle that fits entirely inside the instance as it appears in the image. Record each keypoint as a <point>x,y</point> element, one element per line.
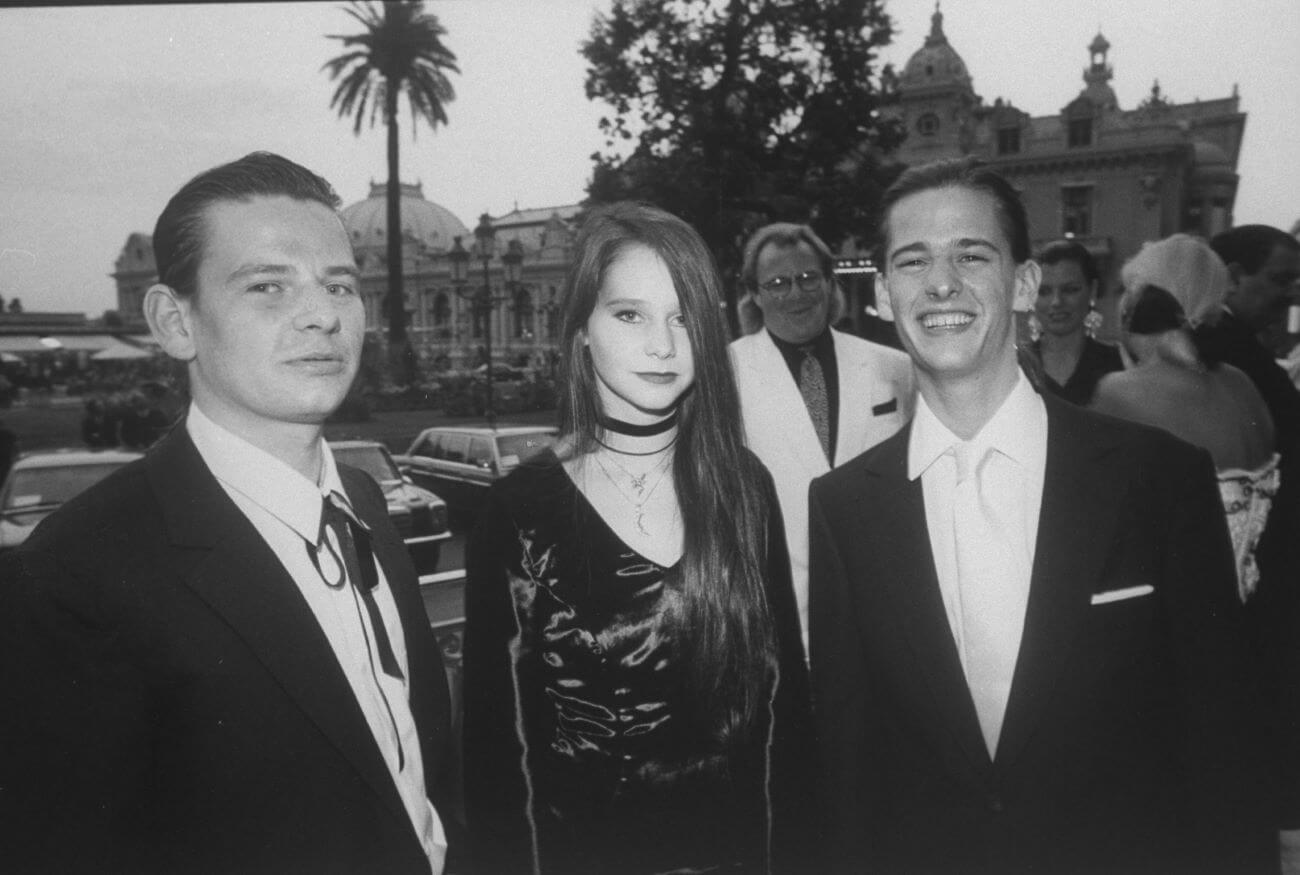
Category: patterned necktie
<point>988,603</point>
<point>347,544</point>
<point>812,385</point>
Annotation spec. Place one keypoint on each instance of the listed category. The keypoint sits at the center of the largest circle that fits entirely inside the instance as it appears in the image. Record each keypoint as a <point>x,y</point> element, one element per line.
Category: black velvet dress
<point>581,755</point>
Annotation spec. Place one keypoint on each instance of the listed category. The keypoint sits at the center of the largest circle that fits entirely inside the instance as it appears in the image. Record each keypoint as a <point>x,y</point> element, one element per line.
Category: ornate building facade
<point>447,320</point>
<point>1109,177</point>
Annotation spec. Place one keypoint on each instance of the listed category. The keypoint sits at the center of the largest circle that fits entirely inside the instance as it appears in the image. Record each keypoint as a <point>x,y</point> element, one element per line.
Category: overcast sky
<point>108,109</point>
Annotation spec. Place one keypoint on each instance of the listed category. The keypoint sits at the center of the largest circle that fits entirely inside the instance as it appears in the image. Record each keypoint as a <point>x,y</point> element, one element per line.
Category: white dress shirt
<point>1012,482</point>
<point>285,508</point>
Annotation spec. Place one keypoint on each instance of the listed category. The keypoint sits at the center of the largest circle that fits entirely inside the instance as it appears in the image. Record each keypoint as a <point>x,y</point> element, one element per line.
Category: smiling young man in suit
<point>217,659</point>
<point>1024,632</point>
<point>811,397</point>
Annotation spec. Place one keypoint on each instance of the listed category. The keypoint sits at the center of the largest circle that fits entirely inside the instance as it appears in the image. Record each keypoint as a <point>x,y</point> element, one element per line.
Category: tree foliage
<point>399,51</point>
<point>735,113</point>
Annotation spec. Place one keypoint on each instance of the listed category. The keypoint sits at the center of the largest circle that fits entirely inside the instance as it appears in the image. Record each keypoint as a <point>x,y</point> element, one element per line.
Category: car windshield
<point>45,487</point>
<point>516,448</point>
<point>373,460</point>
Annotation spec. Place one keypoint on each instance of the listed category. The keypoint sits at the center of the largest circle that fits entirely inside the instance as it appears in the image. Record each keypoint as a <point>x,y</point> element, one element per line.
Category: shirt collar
<point>263,479</point>
<point>821,344</point>
<point>1017,430</point>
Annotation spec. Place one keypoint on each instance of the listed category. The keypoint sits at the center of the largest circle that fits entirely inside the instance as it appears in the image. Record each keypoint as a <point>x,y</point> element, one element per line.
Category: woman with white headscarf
<point>1170,287</point>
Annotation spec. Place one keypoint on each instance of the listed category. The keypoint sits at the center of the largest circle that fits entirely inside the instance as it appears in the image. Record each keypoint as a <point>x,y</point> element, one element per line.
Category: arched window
<point>927,125</point>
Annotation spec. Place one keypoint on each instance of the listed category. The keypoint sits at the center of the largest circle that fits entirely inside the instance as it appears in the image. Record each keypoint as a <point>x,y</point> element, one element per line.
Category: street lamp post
<point>485,237</point>
<point>481,300</point>
<point>512,261</point>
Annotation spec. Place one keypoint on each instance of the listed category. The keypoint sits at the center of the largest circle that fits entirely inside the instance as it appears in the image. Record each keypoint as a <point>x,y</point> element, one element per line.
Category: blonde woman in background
<point>1171,287</point>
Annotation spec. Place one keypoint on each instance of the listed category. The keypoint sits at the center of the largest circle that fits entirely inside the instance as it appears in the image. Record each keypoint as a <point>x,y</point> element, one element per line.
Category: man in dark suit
<point>217,659</point>
<point>1024,630</point>
<point>1264,263</point>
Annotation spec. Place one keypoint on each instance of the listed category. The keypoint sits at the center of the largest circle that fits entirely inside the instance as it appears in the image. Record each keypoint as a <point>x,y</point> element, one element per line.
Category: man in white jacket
<point>811,397</point>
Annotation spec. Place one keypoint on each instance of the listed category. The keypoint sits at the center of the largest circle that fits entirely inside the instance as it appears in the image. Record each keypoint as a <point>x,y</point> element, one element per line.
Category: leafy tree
<point>400,51</point>
<point>735,113</point>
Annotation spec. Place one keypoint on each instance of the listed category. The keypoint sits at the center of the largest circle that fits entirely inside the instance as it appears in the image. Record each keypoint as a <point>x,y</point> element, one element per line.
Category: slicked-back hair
<point>784,234</point>
<point>178,238</point>
<point>1249,246</point>
<point>724,624</point>
<point>960,173</point>
<point>1070,250</point>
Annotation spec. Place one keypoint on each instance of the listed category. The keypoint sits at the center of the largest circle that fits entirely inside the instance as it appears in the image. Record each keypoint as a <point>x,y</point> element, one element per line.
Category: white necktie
<point>991,616</point>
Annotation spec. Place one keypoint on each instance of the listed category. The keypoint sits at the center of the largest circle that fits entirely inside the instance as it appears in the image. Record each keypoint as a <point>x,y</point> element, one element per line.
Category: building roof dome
<point>422,220</point>
<point>936,62</point>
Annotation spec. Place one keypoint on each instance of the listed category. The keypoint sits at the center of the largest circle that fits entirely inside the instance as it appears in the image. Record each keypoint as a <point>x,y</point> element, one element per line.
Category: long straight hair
<point>724,629</point>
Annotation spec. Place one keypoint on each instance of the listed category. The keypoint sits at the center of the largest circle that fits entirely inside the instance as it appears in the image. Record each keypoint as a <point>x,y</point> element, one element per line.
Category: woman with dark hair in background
<point>1065,321</point>
<point>636,696</point>
<point>1171,287</point>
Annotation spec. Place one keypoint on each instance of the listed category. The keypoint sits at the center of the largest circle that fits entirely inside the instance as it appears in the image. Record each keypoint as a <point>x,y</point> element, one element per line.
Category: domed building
<point>1112,178</point>
<point>940,101</point>
<point>446,323</point>
<point>428,225</point>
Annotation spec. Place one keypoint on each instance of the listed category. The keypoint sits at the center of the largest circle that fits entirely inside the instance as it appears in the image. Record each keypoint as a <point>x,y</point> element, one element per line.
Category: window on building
<point>1008,141</point>
<point>523,315</point>
<point>1079,132</point>
<point>1219,215</point>
<point>552,315</point>
<point>927,125</point>
<point>1076,210</point>
<point>441,310</point>
<point>422,317</point>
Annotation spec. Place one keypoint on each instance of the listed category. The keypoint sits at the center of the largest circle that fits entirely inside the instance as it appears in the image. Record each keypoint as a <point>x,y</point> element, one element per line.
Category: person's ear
<point>171,320</point>
<point>1028,277</point>
<point>884,307</point>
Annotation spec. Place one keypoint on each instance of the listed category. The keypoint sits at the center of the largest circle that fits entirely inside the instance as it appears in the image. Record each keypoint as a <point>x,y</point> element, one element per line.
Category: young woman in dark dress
<point>635,690</point>
<point>1064,320</point>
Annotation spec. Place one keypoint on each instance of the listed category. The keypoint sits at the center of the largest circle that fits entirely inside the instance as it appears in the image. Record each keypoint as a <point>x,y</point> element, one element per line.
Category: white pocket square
<point>1118,595</point>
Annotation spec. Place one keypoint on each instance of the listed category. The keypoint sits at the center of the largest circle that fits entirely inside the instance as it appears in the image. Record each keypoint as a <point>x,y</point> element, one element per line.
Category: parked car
<point>514,390</point>
<point>419,515</point>
<point>40,482</point>
<point>460,462</point>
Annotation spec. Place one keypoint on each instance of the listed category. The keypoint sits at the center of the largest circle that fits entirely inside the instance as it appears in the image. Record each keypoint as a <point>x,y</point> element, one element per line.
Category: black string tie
<point>345,540</point>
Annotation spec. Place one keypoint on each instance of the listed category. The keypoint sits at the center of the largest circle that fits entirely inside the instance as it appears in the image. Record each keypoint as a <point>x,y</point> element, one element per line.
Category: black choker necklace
<point>618,426</point>
<point>628,453</point>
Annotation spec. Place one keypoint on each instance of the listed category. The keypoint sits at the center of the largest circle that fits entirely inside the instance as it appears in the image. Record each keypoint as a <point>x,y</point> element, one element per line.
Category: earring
<point>1092,322</point>
<point>1035,327</point>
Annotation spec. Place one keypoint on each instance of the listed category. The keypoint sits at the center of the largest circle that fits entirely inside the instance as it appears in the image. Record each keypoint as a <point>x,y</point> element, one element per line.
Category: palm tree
<point>400,50</point>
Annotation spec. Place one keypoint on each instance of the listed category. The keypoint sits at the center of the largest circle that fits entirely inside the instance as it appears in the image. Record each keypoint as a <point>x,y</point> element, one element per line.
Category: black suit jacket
<point>1274,611</point>
<point>1126,742</point>
<point>170,703</point>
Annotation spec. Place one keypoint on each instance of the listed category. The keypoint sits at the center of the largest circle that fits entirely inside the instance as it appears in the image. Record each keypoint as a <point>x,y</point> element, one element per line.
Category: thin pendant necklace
<point>638,484</point>
<point>638,480</point>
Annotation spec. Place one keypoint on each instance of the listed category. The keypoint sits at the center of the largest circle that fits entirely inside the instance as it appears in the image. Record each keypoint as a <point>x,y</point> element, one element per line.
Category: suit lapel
<point>784,405</point>
<point>896,507</point>
<point>225,561</point>
<point>1081,487</point>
